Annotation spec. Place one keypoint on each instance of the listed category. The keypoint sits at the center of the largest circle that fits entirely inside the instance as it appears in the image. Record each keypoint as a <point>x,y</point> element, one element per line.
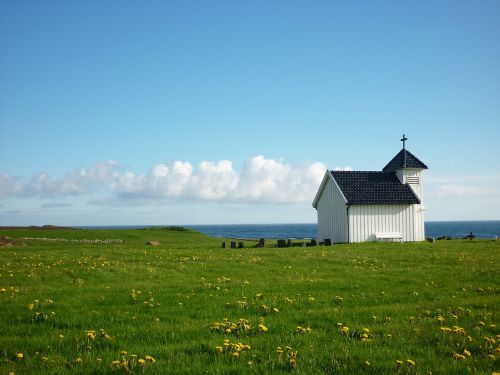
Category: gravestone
<point>224,245</point>
<point>328,242</point>
<point>233,244</point>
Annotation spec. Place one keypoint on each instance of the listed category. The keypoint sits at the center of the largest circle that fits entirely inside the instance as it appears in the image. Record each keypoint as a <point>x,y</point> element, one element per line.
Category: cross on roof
<point>404,139</point>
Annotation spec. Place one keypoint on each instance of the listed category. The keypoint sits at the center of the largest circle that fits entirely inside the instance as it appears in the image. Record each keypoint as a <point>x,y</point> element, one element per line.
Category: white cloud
<point>261,180</point>
<point>346,168</point>
<point>9,185</point>
<point>81,181</point>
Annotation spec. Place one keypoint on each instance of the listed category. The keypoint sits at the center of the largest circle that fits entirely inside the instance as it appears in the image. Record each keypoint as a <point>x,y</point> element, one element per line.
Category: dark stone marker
<point>233,245</point>
<point>262,242</point>
<point>241,245</point>
<point>313,242</point>
<point>328,242</point>
<point>224,245</point>
<point>431,239</point>
<point>289,243</point>
<point>281,243</point>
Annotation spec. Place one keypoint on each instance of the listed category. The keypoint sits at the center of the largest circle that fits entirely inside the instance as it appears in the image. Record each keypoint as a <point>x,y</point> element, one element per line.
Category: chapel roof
<point>367,187</point>
<point>404,159</point>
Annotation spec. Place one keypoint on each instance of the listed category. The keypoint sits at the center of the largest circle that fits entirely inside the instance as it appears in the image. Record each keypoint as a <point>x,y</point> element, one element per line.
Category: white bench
<point>389,236</point>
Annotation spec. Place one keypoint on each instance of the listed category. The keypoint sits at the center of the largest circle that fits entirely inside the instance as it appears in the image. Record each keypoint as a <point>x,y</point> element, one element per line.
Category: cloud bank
<point>260,180</point>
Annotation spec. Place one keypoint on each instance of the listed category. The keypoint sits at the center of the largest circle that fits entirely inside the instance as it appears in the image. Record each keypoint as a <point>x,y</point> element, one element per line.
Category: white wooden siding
<point>332,214</point>
<point>367,220</point>
<point>419,208</point>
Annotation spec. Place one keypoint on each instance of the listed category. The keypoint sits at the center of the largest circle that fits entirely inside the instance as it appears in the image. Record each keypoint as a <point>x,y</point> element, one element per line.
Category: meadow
<point>187,306</point>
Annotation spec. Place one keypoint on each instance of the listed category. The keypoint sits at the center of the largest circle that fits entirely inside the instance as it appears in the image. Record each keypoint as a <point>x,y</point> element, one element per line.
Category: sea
<point>435,229</point>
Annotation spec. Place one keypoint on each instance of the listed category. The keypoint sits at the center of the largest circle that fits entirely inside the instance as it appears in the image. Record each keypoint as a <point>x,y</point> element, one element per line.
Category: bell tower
<point>408,168</point>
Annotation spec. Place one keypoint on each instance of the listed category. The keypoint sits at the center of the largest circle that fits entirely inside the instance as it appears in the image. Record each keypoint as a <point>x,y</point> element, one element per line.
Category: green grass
<point>162,301</point>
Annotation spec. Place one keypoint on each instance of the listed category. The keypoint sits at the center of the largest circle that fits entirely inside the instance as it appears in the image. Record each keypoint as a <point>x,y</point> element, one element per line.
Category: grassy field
<point>68,305</point>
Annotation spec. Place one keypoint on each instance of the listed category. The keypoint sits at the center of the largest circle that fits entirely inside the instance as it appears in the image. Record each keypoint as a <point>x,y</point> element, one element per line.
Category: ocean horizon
<point>435,229</point>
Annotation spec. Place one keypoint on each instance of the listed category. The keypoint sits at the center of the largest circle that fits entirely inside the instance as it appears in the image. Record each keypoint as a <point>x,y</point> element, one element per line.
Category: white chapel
<point>361,206</point>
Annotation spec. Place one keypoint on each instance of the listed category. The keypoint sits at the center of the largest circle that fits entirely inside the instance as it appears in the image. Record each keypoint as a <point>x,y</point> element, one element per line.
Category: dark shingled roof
<point>373,188</point>
<point>404,159</point>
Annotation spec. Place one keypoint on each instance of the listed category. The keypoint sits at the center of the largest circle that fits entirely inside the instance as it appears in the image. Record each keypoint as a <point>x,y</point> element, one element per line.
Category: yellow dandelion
<point>219,349</point>
<point>78,360</point>
<point>399,362</point>
<point>148,358</point>
<point>31,306</point>
<point>263,328</point>
<point>19,355</point>
<point>236,354</point>
<point>141,362</point>
<point>467,353</point>
<point>410,362</point>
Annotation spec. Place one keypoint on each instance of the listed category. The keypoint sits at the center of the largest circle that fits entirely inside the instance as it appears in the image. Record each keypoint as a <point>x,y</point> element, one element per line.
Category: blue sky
<point>228,112</point>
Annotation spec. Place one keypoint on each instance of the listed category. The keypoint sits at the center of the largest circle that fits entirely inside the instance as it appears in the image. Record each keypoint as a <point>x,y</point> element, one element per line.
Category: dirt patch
<point>6,241</point>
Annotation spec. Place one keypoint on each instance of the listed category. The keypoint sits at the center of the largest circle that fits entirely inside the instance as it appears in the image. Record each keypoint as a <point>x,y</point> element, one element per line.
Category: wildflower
<point>141,362</point>
<point>148,358</point>
<point>275,309</point>
<point>219,349</point>
<point>30,306</point>
<point>263,328</point>
<point>61,337</point>
<point>399,362</point>
<point>3,290</point>
<point>123,353</point>
<point>458,357</point>
<point>366,330</point>
<point>78,361</point>
<point>367,364</point>
<point>236,354</point>
<point>19,355</point>
<point>410,362</point>
<point>467,353</point>
<point>115,363</point>
<point>279,349</point>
